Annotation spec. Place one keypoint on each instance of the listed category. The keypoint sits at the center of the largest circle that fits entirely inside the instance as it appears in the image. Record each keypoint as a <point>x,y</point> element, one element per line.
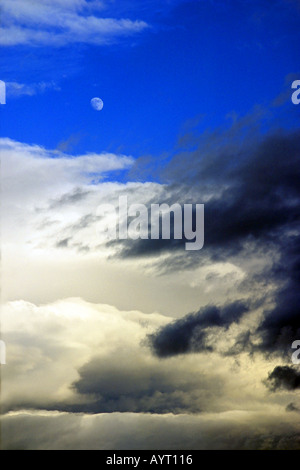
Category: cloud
<point>48,344</point>
<point>189,334</point>
<point>250,223</point>
<point>15,89</point>
<point>52,171</point>
<point>283,377</point>
<point>121,382</point>
<point>58,23</point>
<point>230,431</point>
<point>40,187</point>
<point>85,359</point>
<point>54,196</point>
<point>274,330</point>
<point>249,183</point>
<point>67,144</point>
<point>92,358</point>
<point>292,407</point>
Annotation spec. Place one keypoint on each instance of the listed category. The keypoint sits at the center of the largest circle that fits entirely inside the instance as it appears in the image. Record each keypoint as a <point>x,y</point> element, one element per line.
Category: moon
<point>97,104</point>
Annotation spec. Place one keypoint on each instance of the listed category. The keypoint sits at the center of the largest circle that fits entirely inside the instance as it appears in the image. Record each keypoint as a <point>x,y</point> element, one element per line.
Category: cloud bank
<point>93,371</point>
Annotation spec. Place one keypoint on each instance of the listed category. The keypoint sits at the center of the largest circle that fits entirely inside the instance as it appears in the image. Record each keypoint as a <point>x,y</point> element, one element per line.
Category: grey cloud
<point>253,187</point>
<point>292,407</point>
<point>188,334</point>
<point>124,383</point>
<point>63,243</point>
<point>253,210</point>
<point>280,326</point>
<point>77,195</point>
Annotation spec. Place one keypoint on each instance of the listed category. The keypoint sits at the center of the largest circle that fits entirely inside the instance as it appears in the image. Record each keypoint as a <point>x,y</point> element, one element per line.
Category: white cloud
<point>32,173</point>
<point>53,197</point>
<point>56,23</point>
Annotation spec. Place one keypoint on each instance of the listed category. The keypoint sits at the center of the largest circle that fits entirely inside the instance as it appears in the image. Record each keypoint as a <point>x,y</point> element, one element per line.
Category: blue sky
<point>186,62</point>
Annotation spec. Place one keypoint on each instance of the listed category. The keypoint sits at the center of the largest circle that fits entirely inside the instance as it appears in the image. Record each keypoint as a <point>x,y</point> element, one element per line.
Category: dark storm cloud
<point>283,377</point>
<point>275,333</point>
<point>281,325</point>
<point>261,186</point>
<point>255,201</point>
<point>253,183</point>
<point>188,334</point>
<point>253,186</point>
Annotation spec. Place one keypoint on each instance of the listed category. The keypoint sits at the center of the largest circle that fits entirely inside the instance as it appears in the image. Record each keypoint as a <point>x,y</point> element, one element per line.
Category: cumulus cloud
<point>48,344</point>
<point>58,23</point>
<point>93,358</point>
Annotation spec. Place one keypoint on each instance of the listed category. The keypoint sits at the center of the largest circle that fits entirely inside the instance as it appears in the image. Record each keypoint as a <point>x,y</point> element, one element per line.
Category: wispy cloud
<point>57,23</point>
<point>15,89</point>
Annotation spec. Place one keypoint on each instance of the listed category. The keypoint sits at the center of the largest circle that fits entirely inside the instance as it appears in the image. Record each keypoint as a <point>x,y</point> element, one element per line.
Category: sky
<point>141,344</point>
